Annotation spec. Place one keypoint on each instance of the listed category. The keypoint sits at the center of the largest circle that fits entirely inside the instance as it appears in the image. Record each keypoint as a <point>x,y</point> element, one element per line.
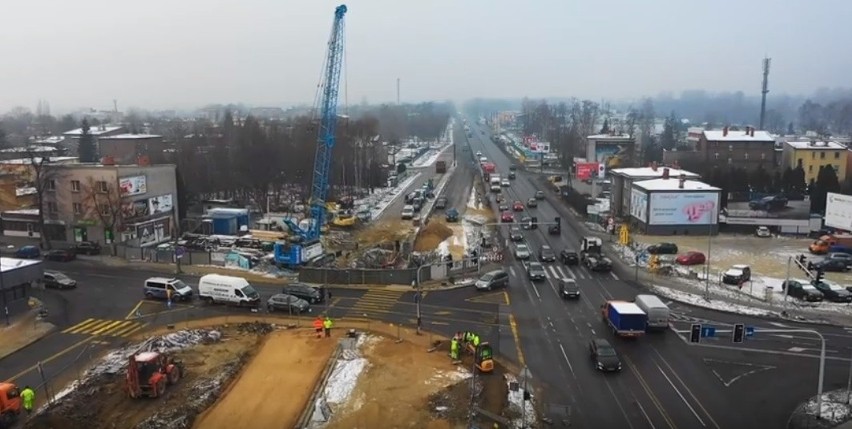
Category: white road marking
<point>613,275</point>
<point>682,398</point>
<point>565,355</point>
<point>512,271</point>
<point>757,368</point>
<point>780,325</point>
<point>796,349</point>
<point>535,289</point>
<point>789,337</point>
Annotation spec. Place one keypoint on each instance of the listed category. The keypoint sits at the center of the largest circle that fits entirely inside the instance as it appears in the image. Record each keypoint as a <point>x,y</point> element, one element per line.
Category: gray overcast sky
<point>185,53</point>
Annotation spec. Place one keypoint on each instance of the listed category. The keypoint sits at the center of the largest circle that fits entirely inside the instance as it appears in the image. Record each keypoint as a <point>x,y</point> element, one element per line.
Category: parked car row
<point>59,255</point>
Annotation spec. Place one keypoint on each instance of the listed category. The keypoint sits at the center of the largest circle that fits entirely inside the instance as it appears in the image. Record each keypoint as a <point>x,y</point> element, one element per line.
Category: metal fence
<point>167,256</point>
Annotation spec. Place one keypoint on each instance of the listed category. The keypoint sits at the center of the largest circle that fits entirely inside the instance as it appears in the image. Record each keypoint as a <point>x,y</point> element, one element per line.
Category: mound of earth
<point>490,393</point>
<point>431,236</point>
<point>100,400</point>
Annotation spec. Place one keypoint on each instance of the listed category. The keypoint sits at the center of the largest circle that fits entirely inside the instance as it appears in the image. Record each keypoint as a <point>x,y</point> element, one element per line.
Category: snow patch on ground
<point>448,378</point>
<point>115,362</point>
<point>473,201</point>
<point>714,304</point>
<point>524,409</point>
<point>835,407</point>
<point>429,158</point>
<point>343,379</point>
<point>444,246</point>
<point>381,199</point>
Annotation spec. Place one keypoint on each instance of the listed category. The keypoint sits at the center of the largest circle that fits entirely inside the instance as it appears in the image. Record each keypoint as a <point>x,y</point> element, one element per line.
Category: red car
<point>691,258</point>
<point>507,217</point>
<point>518,206</point>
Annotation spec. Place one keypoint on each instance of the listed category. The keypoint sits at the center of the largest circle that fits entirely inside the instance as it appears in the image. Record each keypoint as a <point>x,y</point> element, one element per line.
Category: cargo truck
<point>625,319</point>
<point>441,167</point>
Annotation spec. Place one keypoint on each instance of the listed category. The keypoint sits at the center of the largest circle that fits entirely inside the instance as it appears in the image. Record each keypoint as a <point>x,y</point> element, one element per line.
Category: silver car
<point>287,303</point>
<point>522,251</point>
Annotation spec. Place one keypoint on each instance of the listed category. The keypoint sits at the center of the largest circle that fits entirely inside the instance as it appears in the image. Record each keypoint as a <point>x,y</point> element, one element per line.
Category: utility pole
<point>764,90</point>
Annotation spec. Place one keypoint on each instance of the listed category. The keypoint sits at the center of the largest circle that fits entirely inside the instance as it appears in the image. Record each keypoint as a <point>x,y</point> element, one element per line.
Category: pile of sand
<point>385,231</point>
<point>431,236</point>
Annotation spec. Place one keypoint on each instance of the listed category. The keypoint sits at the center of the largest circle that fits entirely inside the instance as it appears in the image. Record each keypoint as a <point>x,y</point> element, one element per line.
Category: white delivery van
<point>657,311</point>
<point>227,290</point>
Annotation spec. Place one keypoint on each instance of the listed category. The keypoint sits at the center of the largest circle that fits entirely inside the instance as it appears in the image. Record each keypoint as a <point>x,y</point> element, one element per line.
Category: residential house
<point>813,154</point>
<point>128,148</point>
<point>72,137</point>
<point>132,204</point>
<point>32,150</point>
<point>746,149</point>
<point>624,178</point>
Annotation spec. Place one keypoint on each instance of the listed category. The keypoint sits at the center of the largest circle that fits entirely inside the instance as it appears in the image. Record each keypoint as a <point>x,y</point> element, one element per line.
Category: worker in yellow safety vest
<point>454,349</point>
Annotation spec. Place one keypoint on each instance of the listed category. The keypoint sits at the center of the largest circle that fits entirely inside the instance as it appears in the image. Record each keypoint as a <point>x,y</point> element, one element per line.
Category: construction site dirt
<point>431,236</point>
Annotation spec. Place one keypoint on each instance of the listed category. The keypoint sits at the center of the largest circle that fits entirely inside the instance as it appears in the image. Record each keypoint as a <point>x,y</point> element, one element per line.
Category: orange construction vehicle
<point>10,404</point>
<point>483,358</point>
<point>148,374</point>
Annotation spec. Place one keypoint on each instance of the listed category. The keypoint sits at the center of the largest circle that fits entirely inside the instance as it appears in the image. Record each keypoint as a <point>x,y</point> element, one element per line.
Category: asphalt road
<point>666,381</point>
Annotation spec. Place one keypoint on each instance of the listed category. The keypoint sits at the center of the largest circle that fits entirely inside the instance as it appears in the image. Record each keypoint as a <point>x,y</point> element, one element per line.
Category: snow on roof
<point>29,190</point>
<point>49,140</point>
<point>27,212</point>
<point>37,160</point>
<point>131,136</point>
<point>738,136</point>
<point>93,130</point>
<point>610,137</point>
<point>11,264</point>
<point>626,308</point>
<point>673,184</point>
<point>146,356</point>
<point>29,149</point>
<point>650,173</point>
<point>816,145</point>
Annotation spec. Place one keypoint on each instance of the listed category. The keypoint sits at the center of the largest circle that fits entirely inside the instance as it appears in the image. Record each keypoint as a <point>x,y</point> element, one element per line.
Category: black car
<point>833,292</point>
<point>288,303</point>
<point>515,234</point>
<point>604,356</point>
<point>452,215</point>
<point>60,255</point>
<point>441,203</point>
<point>503,207</point>
<point>568,289</point>
<point>842,256</point>
<point>600,264</point>
<point>546,254</point>
<point>662,249</point>
<point>88,248</point>
<point>802,290</point>
<point>525,222</point>
<point>309,293</point>
<point>832,265</point>
<point>569,257</point>
<point>532,203</point>
<point>511,175</point>
<point>57,280</point>
<point>513,167</point>
<point>536,271</point>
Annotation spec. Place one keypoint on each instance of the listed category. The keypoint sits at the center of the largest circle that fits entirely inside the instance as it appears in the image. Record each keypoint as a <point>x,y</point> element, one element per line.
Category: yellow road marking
<point>51,358</point>
<point>85,322</point>
<point>514,326</point>
<point>442,313</point>
<point>110,326</point>
<point>132,313</point>
<point>506,296</point>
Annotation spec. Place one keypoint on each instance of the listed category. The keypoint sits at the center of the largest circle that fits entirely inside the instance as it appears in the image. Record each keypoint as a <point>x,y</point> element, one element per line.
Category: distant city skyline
<point>168,55</point>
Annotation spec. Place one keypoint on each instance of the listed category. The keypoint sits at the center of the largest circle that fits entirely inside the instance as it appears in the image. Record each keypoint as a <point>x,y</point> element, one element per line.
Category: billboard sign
<point>639,205</point>
<point>153,232</point>
<point>613,155</point>
<point>161,204</point>
<point>134,185</point>
<point>684,208</point>
<point>838,211</point>
<point>134,209</point>
<point>540,147</point>
<point>586,170</point>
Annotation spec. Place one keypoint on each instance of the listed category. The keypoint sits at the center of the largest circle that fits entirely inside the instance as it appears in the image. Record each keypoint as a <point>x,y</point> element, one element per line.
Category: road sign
<point>708,331</point>
<point>749,331</point>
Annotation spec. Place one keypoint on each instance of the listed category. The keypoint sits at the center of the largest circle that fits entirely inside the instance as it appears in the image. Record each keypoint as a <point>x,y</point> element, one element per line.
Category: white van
<point>657,311</point>
<point>227,290</point>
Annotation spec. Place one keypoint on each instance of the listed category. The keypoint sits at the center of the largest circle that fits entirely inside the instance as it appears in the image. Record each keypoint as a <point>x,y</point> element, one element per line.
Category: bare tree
<point>103,203</point>
<point>43,179</point>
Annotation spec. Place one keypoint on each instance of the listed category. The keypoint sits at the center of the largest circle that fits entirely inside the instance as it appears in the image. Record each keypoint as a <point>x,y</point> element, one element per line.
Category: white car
<point>407,212</point>
<point>505,183</point>
<point>522,251</point>
<point>479,154</point>
<point>763,232</point>
<point>483,159</point>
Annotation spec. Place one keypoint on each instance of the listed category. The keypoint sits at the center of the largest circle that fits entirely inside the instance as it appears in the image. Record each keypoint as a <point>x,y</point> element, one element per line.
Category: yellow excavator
<point>342,218</point>
<point>484,358</point>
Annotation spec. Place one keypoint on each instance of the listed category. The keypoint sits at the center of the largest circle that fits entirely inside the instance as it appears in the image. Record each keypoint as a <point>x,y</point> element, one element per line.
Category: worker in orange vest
<point>318,326</point>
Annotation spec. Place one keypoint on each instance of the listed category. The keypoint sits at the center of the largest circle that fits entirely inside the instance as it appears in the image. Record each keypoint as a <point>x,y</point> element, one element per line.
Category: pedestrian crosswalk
<point>378,301</point>
<point>559,271</point>
<point>105,327</point>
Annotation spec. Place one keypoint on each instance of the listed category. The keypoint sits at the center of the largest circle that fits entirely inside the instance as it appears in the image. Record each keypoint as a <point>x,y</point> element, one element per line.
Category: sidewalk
<point>23,331</point>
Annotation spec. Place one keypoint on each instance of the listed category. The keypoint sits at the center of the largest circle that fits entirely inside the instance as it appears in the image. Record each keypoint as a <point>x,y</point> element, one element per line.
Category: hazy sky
<point>185,53</point>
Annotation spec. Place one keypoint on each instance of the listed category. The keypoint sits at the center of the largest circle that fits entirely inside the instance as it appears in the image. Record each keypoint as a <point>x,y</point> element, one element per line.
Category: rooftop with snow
<point>816,145</point>
<point>38,160</point>
<point>131,136</point>
<point>738,136</point>
<point>651,172</point>
<point>33,149</point>
<point>610,137</point>
<point>94,130</point>
<point>673,184</point>
<point>11,264</point>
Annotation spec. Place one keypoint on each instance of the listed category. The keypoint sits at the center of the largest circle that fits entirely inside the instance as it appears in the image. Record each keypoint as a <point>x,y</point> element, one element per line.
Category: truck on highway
<point>657,311</point>
<point>625,319</point>
<point>441,167</point>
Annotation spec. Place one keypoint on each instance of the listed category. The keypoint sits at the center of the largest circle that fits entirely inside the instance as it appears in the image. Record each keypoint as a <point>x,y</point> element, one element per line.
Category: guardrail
<point>316,395</point>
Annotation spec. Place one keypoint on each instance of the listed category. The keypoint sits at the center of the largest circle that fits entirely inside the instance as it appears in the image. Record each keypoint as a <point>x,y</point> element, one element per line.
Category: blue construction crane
<point>309,247</point>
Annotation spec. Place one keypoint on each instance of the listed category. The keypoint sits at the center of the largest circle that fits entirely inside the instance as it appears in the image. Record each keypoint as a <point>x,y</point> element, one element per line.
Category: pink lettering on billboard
<point>695,211</point>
